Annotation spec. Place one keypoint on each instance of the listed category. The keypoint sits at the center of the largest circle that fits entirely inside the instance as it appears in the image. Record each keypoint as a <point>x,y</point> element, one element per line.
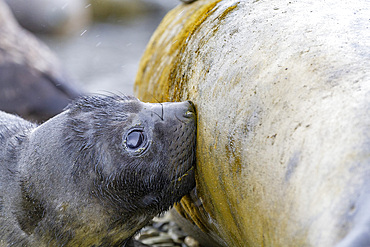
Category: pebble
<point>191,242</point>
<point>163,232</point>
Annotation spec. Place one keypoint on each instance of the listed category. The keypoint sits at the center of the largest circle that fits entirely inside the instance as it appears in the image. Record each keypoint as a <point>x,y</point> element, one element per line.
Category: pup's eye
<point>134,139</point>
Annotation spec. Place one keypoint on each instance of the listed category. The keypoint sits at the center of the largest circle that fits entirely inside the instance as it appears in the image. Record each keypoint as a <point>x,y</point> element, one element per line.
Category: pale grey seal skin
<point>94,174</point>
<point>359,215</point>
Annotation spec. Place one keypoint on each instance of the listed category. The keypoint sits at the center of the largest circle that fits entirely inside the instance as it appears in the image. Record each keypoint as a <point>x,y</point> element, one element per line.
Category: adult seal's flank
<point>96,173</point>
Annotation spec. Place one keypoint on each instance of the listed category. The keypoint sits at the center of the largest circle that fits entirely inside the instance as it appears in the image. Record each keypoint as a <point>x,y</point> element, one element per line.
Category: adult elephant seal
<point>282,90</point>
<point>94,174</point>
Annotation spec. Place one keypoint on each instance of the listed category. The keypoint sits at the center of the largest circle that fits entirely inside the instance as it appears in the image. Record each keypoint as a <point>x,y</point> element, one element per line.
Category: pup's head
<point>138,156</point>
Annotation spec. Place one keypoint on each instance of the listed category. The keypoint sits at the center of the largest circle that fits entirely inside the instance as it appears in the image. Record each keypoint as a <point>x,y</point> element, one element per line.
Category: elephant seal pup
<point>96,173</point>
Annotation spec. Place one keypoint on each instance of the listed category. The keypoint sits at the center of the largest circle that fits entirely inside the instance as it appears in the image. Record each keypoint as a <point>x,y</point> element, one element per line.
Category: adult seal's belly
<point>94,174</point>
<point>282,90</point>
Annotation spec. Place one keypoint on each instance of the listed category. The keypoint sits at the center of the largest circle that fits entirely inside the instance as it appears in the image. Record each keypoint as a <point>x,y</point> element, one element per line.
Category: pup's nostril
<point>191,103</point>
<point>189,114</point>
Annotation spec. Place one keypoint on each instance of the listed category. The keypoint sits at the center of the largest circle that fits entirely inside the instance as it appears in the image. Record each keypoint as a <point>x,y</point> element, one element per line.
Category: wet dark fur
<point>74,181</point>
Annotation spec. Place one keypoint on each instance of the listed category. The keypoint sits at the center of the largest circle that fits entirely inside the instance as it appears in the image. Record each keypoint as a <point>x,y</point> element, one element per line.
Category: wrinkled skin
<point>95,174</point>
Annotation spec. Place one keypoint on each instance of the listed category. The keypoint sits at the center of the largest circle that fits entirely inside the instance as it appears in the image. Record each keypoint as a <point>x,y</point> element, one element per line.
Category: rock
<point>53,17</point>
<point>191,242</point>
<point>162,239</point>
<point>108,10</point>
<point>282,91</point>
<point>163,231</point>
<point>32,81</point>
<point>188,1</point>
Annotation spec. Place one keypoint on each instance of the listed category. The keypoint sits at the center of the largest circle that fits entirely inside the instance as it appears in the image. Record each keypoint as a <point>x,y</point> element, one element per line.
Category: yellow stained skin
<point>157,62</point>
<point>185,19</point>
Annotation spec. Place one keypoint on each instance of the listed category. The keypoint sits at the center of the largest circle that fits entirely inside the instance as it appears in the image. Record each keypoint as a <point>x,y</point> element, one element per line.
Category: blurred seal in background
<point>32,81</point>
